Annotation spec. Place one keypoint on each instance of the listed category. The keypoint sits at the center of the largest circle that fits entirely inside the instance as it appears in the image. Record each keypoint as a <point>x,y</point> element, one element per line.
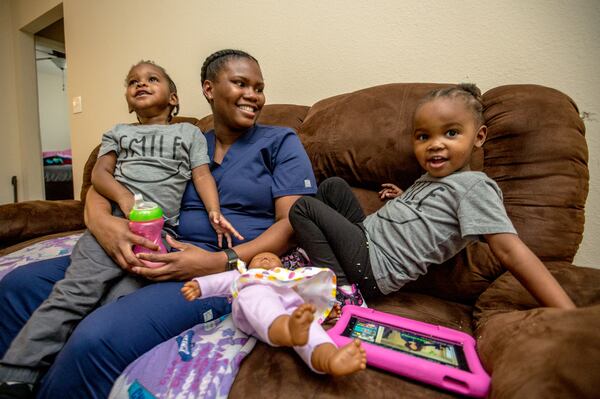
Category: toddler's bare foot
<point>340,361</point>
<point>292,330</point>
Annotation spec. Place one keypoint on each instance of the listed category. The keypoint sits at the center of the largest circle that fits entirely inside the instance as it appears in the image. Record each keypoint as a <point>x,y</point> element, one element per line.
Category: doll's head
<point>448,126</point>
<point>265,260</point>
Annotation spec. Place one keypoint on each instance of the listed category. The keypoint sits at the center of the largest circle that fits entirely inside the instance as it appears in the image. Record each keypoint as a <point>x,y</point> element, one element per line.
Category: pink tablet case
<point>474,382</point>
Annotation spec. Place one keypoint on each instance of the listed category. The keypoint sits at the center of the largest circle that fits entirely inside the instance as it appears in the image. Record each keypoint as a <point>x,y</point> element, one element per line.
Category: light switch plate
<point>77,108</point>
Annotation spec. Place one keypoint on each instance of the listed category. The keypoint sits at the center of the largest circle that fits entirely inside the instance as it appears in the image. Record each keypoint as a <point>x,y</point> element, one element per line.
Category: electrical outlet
<point>77,105</point>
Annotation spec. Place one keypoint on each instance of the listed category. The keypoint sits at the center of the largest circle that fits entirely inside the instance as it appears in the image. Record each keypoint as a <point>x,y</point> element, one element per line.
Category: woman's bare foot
<point>348,359</point>
<point>292,330</point>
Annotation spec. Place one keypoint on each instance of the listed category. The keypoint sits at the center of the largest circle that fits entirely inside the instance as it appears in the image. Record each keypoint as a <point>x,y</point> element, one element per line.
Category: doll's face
<point>265,260</point>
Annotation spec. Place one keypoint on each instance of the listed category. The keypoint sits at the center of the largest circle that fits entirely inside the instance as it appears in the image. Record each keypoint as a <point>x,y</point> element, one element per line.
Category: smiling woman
<point>259,172</point>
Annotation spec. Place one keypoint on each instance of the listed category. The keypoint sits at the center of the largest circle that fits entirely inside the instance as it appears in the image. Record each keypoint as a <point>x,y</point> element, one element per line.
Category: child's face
<point>265,260</point>
<point>236,94</point>
<point>445,135</point>
<point>148,93</point>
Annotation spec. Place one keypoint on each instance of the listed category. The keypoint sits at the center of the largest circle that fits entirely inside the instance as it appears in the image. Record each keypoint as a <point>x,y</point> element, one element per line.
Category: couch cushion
<point>537,153</point>
<point>543,353</point>
<point>289,377</point>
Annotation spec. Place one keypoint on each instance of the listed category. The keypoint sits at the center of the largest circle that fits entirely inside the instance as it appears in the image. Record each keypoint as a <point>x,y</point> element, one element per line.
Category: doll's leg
<point>277,316</point>
<point>323,356</point>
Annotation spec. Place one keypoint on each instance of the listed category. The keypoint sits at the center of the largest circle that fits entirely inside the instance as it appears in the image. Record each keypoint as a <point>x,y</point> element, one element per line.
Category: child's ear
<point>207,90</point>
<point>481,136</point>
<point>173,99</point>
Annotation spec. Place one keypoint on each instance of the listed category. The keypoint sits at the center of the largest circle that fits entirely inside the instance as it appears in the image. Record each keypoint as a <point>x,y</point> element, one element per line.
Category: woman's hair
<point>214,62</point>
<point>469,92</point>
<point>172,86</point>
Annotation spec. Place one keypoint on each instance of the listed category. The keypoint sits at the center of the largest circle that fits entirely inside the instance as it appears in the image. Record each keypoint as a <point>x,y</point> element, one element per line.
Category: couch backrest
<point>535,150</point>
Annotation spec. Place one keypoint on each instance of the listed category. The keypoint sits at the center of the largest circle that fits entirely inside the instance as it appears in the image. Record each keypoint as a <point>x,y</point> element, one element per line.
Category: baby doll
<point>278,306</point>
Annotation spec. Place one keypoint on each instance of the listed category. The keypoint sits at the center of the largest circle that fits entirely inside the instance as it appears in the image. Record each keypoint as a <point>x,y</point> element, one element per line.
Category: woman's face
<point>236,95</point>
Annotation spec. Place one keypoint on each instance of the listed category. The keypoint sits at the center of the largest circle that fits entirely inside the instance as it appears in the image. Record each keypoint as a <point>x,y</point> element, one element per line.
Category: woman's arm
<point>192,261</point>
<point>112,232</point>
<point>529,270</point>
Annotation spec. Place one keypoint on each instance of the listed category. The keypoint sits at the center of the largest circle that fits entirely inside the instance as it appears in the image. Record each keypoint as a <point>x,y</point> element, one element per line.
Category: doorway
<point>55,135</point>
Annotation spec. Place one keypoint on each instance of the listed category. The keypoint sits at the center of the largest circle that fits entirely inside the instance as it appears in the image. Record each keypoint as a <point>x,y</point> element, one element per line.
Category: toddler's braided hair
<point>172,86</point>
<point>468,91</point>
<point>214,62</point>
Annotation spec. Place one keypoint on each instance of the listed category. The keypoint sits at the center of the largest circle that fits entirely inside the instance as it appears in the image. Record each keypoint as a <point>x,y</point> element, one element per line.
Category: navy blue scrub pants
<point>109,338</point>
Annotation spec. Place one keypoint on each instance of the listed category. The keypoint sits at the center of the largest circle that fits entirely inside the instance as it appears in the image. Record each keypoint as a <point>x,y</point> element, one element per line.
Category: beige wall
<point>10,161</point>
<point>19,21</point>
<point>313,49</point>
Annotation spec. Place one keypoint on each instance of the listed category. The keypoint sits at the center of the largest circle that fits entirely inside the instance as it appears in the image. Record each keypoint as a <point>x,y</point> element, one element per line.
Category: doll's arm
<point>216,284</point>
<point>529,270</point>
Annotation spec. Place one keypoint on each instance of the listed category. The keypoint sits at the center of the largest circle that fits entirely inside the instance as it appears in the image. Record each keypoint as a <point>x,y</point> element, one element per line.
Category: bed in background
<point>58,174</point>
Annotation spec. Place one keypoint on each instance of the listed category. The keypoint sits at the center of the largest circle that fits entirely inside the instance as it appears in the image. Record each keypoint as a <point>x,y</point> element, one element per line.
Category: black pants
<point>329,228</point>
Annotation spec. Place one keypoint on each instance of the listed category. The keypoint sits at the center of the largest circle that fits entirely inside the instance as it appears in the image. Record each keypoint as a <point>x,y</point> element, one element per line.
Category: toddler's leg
<point>71,299</point>
<point>336,193</point>
<point>328,237</point>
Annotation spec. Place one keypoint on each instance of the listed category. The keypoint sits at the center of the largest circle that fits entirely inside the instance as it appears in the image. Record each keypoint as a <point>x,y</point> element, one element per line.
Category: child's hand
<point>223,228</point>
<point>126,204</point>
<point>191,290</point>
<point>389,191</point>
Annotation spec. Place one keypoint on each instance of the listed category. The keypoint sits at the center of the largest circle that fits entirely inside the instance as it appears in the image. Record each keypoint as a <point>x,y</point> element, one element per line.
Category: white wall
<point>313,49</point>
<point>54,107</point>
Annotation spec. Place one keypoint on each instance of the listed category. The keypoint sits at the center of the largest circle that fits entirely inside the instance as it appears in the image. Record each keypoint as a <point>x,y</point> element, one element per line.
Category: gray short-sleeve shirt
<point>156,161</point>
<point>430,222</point>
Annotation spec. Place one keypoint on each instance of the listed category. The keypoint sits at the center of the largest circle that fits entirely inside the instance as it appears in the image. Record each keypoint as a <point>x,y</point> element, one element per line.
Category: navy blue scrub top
<point>266,163</point>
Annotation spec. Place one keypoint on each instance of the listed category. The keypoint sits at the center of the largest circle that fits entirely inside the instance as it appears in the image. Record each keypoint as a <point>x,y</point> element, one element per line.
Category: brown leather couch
<point>536,151</point>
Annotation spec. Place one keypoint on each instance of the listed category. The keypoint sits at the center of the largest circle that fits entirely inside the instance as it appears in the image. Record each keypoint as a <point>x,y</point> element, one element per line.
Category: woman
<point>260,171</point>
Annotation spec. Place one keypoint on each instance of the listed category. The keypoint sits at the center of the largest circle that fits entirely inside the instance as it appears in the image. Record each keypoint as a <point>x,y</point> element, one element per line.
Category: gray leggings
<point>329,228</point>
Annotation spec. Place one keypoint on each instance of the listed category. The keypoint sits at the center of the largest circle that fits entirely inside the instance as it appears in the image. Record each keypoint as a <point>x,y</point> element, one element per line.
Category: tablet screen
<point>406,341</point>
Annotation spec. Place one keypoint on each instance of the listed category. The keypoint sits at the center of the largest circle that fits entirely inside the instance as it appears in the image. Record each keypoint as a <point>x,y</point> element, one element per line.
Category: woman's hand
<point>389,191</point>
<point>189,262</point>
<point>112,233</point>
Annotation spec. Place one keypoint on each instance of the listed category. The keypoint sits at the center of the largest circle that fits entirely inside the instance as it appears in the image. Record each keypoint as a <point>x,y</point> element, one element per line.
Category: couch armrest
<point>542,353</point>
<point>30,219</point>
<point>506,294</point>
